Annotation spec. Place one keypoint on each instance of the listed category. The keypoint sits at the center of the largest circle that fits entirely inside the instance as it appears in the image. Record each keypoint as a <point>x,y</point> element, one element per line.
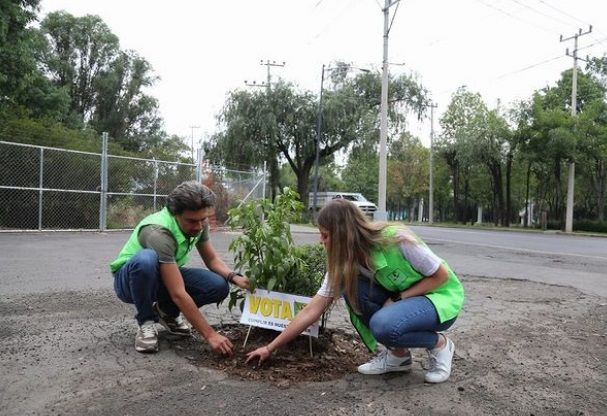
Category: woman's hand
<point>260,354</point>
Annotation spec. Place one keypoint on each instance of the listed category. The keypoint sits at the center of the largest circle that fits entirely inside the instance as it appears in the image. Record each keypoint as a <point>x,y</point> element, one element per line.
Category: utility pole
<point>381,213</point>
<point>268,65</point>
<point>571,176</point>
<point>317,157</point>
<point>192,148</point>
<point>268,83</point>
<point>431,190</point>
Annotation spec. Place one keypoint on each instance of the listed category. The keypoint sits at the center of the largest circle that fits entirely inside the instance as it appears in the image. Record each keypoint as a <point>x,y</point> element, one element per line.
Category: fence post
<point>199,166</point>
<point>41,185</point>
<point>155,181</point>
<point>103,196</point>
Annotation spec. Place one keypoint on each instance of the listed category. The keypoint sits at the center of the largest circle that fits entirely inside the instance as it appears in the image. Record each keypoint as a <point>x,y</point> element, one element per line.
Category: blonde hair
<point>352,236</point>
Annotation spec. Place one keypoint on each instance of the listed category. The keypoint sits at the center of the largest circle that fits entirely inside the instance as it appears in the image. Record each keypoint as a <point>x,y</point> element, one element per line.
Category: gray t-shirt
<point>160,239</point>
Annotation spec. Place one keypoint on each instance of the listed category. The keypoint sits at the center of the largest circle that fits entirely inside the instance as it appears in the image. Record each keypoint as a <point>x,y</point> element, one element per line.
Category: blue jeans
<point>138,282</point>
<point>409,323</point>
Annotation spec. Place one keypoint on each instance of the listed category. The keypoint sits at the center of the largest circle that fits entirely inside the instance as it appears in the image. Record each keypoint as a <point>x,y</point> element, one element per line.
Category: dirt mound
<point>334,354</point>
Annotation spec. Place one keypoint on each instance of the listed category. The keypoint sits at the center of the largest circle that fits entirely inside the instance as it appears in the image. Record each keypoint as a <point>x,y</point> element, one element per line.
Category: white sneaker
<point>440,363</point>
<point>386,362</point>
<point>146,339</point>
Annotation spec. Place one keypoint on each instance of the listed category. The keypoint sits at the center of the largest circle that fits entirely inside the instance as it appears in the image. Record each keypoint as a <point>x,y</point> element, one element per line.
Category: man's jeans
<point>411,322</point>
<point>138,281</point>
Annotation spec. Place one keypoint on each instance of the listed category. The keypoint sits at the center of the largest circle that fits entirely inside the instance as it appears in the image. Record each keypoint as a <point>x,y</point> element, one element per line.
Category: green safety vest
<point>395,274</point>
<point>166,220</point>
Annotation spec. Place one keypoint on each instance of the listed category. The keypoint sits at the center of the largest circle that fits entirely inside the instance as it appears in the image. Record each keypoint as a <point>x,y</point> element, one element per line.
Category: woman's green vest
<point>396,274</point>
<point>166,220</point>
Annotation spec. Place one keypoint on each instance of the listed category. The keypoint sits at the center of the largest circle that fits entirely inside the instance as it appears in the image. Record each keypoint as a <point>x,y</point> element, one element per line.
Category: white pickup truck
<point>359,200</point>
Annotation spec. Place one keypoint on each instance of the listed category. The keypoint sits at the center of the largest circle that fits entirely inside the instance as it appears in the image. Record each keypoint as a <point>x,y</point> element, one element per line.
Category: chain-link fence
<point>45,188</point>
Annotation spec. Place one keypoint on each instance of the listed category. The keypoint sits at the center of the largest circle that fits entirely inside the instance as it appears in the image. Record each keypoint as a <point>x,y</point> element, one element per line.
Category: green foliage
<point>361,174</point>
<point>306,279</point>
<point>261,125</point>
<point>125,213</point>
<point>265,251</point>
<point>590,226</point>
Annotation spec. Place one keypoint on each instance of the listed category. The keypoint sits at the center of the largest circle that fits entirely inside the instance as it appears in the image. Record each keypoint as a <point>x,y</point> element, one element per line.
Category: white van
<point>322,198</point>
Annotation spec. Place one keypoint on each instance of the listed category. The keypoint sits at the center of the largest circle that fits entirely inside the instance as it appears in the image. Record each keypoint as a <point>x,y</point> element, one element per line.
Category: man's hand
<point>220,344</point>
<point>242,282</point>
<point>260,354</point>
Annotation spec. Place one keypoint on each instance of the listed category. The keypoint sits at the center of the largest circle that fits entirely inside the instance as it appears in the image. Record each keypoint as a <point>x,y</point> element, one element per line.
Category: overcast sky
<point>503,49</point>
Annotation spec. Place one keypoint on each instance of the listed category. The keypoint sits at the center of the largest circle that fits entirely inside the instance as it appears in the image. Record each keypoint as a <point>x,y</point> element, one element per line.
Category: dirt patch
<point>334,354</point>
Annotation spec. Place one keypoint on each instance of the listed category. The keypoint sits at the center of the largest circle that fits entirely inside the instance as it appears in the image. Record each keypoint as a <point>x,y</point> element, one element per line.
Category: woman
<point>398,291</point>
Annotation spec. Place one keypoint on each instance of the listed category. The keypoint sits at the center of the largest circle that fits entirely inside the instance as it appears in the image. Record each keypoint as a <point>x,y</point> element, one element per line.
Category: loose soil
<point>334,354</point>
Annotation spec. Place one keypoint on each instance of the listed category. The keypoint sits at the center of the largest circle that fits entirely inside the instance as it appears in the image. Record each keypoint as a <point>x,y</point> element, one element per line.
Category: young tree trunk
<point>600,187</point>
<point>526,219</point>
<point>508,213</point>
<point>455,179</point>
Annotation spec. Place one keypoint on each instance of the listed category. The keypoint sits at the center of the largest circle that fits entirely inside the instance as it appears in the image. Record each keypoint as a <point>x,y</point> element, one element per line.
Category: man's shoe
<point>440,363</point>
<point>386,362</point>
<point>175,325</point>
<point>146,339</point>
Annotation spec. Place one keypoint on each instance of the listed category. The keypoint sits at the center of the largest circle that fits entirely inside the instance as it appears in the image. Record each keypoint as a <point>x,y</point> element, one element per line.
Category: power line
<point>514,17</point>
<point>593,44</point>
<point>562,12</point>
<point>539,12</point>
<point>530,67</point>
<point>568,15</point>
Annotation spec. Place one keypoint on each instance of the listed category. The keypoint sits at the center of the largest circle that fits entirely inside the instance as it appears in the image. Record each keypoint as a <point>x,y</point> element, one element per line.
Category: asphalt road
<point>55,261</point>
<point>66,342</point>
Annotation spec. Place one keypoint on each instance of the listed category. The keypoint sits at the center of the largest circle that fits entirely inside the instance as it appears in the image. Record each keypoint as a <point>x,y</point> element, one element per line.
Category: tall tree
<point>81,48</point>
<point>105,84</point>
<point>408,178</point>
<point>456,123</point>
<point>24,90</point>
<point>283,121</point>
<point>122,108</point>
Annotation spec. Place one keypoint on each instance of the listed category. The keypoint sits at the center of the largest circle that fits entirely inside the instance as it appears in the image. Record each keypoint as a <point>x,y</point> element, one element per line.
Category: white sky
<point>203,49</point>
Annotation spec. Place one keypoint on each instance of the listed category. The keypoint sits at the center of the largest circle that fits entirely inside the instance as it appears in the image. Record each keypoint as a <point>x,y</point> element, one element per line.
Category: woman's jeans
<point>410,323</point>
<point>138,281</point>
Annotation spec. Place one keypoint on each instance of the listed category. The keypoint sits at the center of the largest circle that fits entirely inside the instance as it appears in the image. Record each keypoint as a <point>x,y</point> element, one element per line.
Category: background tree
<point>105,85</point>
<point>457,121</point>
<point>408,174</point>
<point>283,121</point>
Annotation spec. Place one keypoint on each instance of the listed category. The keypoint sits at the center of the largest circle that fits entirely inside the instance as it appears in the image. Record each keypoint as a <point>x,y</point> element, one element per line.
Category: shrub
<point>590,226</point>
<point>265,251</point>
<point>307,278</point>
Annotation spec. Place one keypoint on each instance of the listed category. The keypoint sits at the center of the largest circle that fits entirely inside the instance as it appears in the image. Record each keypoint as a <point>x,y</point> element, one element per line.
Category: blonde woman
<point>398,292</point>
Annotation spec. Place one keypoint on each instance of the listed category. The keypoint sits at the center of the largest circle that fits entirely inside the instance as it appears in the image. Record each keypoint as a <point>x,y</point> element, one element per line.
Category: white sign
<point>274,310</point>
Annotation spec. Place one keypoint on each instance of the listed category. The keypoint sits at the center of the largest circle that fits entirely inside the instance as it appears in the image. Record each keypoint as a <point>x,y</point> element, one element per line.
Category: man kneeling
<point>149,271</point>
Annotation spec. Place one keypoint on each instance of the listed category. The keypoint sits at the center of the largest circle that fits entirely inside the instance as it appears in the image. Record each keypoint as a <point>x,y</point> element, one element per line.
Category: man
<point>149,271</point>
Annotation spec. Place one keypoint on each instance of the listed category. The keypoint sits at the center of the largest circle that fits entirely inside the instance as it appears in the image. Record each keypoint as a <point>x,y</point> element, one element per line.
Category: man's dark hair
<point>190,195</point>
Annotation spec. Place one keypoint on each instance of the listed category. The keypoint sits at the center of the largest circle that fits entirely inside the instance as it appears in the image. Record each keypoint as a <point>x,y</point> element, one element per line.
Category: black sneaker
<point>175,325</point>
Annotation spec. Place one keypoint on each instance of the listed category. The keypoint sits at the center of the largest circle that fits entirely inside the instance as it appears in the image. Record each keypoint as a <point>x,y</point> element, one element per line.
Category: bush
<point>265,251</point>
<point>125,213</point>
<point>307,278</point>
<point>590,226</point>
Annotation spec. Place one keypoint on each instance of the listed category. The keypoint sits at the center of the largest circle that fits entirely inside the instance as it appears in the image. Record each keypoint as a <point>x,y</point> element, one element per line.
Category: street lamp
<point>319,128</point>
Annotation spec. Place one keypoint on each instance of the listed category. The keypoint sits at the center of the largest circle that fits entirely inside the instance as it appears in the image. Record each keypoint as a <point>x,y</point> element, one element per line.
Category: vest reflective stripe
<point>396,274</point>
<point>166,220</point>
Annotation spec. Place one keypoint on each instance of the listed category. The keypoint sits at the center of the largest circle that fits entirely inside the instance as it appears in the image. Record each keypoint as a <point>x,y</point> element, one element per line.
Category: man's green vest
<point>395,273</point>
<point>166,220</point>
